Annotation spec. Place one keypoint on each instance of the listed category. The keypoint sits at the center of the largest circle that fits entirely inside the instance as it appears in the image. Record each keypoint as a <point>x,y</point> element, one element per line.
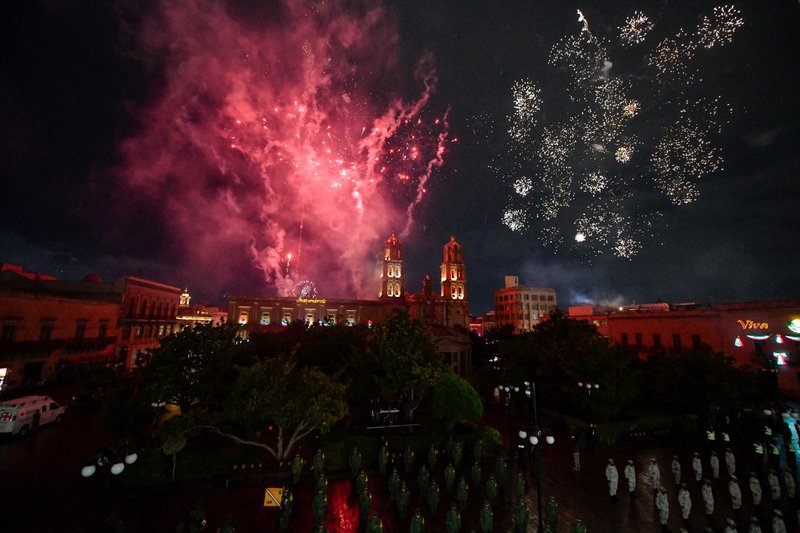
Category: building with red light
<point>49,326</point>
<point>522,307</point>
<point>446,314</point>
<point>762,334</point>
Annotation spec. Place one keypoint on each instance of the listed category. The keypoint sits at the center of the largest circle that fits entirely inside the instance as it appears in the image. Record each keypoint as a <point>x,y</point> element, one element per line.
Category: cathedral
<point>446,314</point>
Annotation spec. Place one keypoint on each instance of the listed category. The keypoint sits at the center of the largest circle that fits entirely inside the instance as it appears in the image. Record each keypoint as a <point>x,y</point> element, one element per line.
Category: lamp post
<point>114,463</point>
<point>535,438</point>
<point>589,387</point>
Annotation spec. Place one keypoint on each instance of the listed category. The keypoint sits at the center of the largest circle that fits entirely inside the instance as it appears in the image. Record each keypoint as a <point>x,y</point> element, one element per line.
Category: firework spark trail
<point>627,136</point>
<point>261,126</point>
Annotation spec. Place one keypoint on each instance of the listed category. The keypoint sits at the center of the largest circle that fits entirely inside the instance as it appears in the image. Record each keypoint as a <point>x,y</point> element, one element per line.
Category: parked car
<point>92,395</point>
<point>20,415</point>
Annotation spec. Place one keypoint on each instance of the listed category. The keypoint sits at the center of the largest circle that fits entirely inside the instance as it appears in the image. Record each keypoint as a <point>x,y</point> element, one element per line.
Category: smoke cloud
<point>282,139</point>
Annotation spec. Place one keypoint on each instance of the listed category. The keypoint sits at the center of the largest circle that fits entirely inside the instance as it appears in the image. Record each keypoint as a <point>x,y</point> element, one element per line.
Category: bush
<point>454,399</point>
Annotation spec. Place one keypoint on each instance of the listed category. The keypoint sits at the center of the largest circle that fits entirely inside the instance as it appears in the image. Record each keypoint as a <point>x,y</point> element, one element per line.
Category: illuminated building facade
<point>49,325</point>
<point>762,334</point>
<point>445,314</point>
<point>522,307</point>
<point>188,316</point>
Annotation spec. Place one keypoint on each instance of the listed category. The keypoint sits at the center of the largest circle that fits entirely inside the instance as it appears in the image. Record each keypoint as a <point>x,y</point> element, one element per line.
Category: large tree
<point>562,352</point>
<point>405,358</point>
<point>296,401</point>
<point>193,368</point>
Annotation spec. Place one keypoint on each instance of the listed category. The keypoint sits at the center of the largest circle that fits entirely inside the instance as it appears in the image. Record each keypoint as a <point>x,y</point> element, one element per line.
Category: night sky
<point>168,143</point>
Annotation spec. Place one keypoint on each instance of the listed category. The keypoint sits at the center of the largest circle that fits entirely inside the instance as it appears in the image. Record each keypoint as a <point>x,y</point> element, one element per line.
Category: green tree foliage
<point>562,352</point>
<point>405,358</point>
<point>195,366</point>
<point>454,400</point>
<point>296,400</point>
<point>701,380</point>
<point>124,414</point>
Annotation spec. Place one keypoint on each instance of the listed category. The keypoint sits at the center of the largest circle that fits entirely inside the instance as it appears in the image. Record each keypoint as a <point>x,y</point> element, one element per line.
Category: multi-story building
<point>763,334</point>
<point>191,315</point>
<point>446,314</point>
<point>47,324</point>
<point>520,306</point>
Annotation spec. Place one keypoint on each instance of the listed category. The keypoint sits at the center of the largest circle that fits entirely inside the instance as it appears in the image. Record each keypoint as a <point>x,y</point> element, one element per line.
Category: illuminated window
<point>389,289</point>
<point>3,374</point>
<point>351,317</point>
<point>161,331</point>
<point>397,289</point>
<point>287,317</point>
<point>461,293</point>
<point>310,316</point>
<point>453,292</point>
<point>397,271</point>
<point>453,274</point>
<point>243,316</point>
<point>265,319</point>
<point>331,317</point>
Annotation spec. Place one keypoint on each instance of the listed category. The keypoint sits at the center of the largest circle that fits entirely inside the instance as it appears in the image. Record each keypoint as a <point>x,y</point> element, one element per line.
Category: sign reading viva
<point>749,324</point>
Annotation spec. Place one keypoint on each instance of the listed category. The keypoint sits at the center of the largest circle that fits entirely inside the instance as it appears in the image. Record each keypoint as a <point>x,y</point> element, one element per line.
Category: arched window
<point>397,289</point>
<point>389,289</point>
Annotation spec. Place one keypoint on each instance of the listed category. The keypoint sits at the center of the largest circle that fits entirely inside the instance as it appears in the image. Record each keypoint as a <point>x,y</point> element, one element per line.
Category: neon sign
<point>311,300</point>
<point>749,324</point>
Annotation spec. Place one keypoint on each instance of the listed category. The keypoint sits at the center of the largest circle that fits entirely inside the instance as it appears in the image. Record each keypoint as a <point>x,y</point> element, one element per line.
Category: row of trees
<point>271,390</point>
<point>561,352</point>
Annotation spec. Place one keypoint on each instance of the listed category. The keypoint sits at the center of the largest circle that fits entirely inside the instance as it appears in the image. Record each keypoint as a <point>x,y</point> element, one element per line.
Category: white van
<point>18,416</point>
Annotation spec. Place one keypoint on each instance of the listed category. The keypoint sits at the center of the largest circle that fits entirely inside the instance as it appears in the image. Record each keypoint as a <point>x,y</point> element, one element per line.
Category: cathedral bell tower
<point>393,284</point>
<point>454,274</point>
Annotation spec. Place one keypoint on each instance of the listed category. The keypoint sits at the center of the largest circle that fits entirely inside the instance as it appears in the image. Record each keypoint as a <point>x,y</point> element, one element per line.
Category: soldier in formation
<point>697,467</point>
<point>662,505</point>
<point>383,457</point>
<point>730,462</point>
<point>402,501</point>
<point>423,480</point>
<point>551,512</point>
<point>433,497</point>
<point>676,470</point>
<point>462,494</point>
<point>612,476</point>
<point>655,474</point>
<point>755,489</point>
<point>736,493</point>
<point>417,522</point>
<point>713,461</point>
<point>774,485</point>
<point>318,463</point>
<point>433,457</point>
<point>297,468</point>
<point>778,525</point>
<point>487,517</point>
<point>630,476</point>
<point>708,498</point>
<point>452,520</point>
<point>491,490</point>
<point>522,516</point>
<point>449,477</point>
<point>685,503</point>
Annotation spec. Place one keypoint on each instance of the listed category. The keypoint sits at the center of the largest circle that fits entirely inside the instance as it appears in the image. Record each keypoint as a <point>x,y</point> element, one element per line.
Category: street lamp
<point>534,438</point>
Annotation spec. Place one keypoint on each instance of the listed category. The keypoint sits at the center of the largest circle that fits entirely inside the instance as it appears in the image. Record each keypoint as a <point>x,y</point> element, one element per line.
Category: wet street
<point>43,491</point>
